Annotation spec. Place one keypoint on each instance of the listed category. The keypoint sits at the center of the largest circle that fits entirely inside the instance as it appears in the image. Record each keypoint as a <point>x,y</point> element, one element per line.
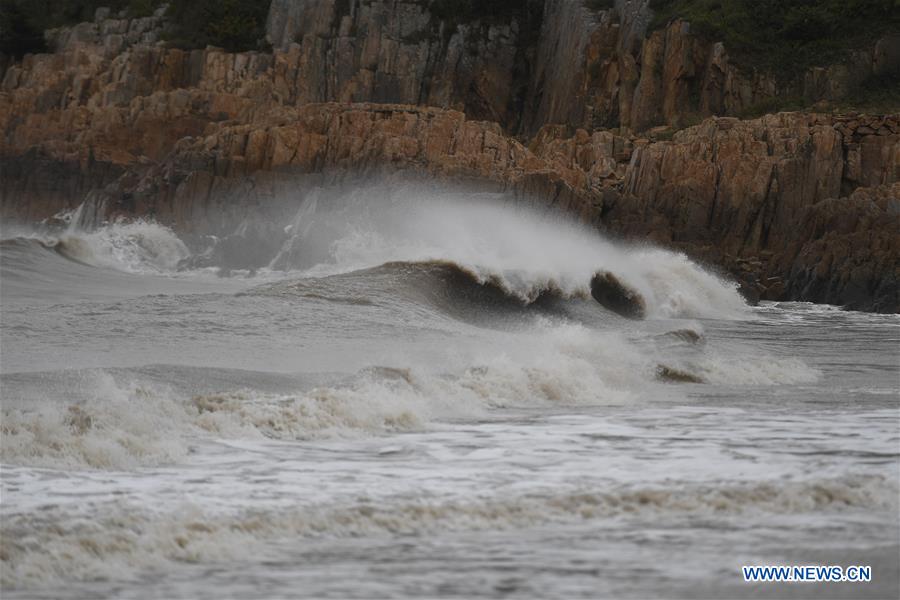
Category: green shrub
<point>463,11</point>
<point>22,22</point>
<point>19,33</point>
<point>235,25</point>
<point>784,36</point>
<point>876,95</point>
<point>458,12</point>
<point>598,5</point>
<point>142,8</point>
<point>773,105</point>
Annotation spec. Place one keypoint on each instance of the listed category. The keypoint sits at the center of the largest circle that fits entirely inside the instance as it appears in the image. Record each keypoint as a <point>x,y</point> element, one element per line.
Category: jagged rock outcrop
<point>596,160</point>
<point>747,190</point>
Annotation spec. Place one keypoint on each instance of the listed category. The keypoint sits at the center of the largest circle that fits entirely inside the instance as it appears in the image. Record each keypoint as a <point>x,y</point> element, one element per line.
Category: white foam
<point>130,423</point>
<point>134,246</point>
<point>754,370</point>
<point>123,426</point>
<point>124,539</point>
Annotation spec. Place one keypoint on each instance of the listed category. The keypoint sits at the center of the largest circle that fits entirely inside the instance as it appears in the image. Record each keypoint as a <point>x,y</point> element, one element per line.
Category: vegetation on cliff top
<point>235,25</point>
<point>463,11</point>
<point>784,36</point>
<point>22,22</point>
<point>453,13</point>
<point>17,34</point>
<point>598,5</point>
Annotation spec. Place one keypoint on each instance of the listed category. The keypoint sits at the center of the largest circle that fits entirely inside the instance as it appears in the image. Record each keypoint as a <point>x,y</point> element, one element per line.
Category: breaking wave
<point>127,422</point>
<point>137,246</point>
<point>524,254</point>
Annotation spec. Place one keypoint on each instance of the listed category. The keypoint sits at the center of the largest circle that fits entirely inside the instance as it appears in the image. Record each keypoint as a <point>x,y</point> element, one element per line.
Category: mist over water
<point>428,374</point>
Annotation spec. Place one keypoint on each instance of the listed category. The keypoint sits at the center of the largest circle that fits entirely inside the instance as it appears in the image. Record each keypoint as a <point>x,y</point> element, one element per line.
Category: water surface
<point>436,408</point>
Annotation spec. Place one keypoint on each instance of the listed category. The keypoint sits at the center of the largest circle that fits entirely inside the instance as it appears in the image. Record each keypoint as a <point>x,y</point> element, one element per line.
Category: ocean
<point>421,397</point>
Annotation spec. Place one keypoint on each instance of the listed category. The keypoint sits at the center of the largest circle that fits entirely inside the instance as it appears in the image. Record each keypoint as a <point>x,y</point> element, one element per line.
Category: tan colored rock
<point>850,255</point>
<point>731,190</point>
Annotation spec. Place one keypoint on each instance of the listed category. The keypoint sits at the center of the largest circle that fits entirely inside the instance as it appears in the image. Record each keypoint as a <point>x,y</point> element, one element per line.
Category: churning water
<point>433,405</point>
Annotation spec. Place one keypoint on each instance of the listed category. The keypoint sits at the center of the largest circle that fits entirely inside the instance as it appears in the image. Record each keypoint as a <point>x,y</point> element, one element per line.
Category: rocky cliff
<point>604,69</point>
<point>543,104</point>
<point>400,52</point>
<point>756,193</point>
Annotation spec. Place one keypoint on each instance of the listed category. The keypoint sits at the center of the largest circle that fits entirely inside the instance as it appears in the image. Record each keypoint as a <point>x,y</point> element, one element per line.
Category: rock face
<point>398,52</point>
<point>603,70</point>
<point>793,205</point>
<point>750,190</point>
<point>849,254</point>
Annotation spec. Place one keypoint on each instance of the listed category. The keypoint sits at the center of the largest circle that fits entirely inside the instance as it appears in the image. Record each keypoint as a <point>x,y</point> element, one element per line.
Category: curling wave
<point>474,291</point>
<point>526,255</point>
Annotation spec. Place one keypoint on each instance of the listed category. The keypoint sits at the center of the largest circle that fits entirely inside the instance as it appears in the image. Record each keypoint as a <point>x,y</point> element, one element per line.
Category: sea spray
<point>522,251</point>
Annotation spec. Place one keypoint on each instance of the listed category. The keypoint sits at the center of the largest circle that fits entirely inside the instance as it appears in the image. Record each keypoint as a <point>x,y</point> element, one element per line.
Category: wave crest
<point>525,254</point>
